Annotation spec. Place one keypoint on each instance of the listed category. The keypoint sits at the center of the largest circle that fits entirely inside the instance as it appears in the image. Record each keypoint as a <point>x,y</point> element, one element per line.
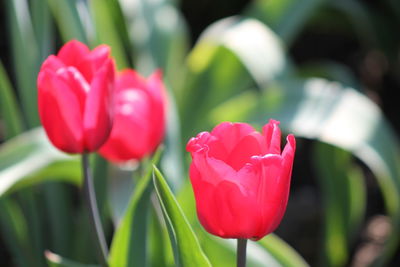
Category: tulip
<point>74,98</point>
<point>139,121</point>
<point>240,179</point>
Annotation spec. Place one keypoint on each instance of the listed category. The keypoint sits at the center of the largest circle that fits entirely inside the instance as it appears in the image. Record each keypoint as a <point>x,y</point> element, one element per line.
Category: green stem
<point>241,252</point>
<point>91,203</point>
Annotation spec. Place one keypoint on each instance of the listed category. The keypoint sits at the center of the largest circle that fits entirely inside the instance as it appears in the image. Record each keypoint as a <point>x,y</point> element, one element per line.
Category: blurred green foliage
<point>241,68</point>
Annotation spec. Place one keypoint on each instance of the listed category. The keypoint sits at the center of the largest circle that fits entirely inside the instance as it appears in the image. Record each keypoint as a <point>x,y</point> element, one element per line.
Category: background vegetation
<point>329,70</point>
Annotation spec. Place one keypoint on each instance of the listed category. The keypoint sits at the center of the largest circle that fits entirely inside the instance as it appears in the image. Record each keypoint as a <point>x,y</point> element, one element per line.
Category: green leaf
<point>15,233</point>
<point>252,42</point>
<point>330,70</point>
<point>128,248</point>
<point>68,19</point>
<point>286,17</point>
<point>29,158</point>
<point>59,206</point>
<point>24,56</point>
<point>100,176</point>
<point>44,28</point>
<point>231,56</point>
<point>103,13</point>
<point>54,260</point>
<point>158,32</point>
<point>9,109</point>
<point>187,250</point>
<point>338,196</point>
<point>282,252</point>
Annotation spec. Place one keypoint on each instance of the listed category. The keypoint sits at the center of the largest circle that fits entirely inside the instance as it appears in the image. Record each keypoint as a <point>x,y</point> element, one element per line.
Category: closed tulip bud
<point>75,95</point>
<point>139,123</point>
<point>241,179</point>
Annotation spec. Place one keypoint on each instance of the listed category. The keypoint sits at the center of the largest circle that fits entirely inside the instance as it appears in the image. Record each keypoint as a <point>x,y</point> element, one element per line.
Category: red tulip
<point>139,121</point>
<point>75,94</point>
<point>240,179</point>
<point>75,89</point>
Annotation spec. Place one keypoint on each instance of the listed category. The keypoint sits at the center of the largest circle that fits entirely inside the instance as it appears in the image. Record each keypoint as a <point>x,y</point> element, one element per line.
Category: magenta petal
<point>72,53</point>
<point>214,171</point>
<point>52,63</point>
<point>272,135</point>
<point>231,133</point>
<point>59,113</point>
<point>129,138</point>
<point>240,179</point>
<point>94,61</point>
<point>247,147</point>
<point>97,119</point>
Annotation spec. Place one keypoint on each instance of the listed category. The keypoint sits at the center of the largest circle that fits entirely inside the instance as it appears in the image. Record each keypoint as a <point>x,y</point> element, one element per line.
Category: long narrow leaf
<point>25,57</point>
<point>9,108</point>
<point>15,233</point>
<point>66,14</point>
<point>187,250</point>
<point>102,12</point>
<point>128,248</point>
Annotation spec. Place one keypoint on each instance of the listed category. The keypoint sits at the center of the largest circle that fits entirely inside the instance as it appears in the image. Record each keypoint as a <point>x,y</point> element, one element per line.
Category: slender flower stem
<point>91,203</point>
<point>241,252</point>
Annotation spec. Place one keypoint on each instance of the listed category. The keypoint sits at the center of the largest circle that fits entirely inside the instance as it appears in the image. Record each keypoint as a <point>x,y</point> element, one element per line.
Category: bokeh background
<point>329,70</point>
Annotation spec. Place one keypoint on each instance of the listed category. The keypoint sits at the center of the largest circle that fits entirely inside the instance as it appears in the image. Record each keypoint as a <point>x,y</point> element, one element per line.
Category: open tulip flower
<point>240,179</point>
<point>75,95</point>
<point>139,121</point>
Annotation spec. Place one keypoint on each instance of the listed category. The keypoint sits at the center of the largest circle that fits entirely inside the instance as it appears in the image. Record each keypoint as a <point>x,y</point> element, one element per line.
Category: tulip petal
<point>273,191</point>
<point>98,113</point>
<point>52,63</point>
<point>130,79</point>
<point>272,135</point>
<point>129,137</point>
<point>59,112</point>
<point>230,134</point>
<point>77,84</point>
<point>240,179</point>
<point>93,61</point>
<point>247,147</point>
<point>72,53</point>
<point>238,214</point>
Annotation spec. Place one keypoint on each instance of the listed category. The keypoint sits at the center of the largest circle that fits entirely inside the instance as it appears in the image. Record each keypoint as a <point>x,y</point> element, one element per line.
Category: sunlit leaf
<point>231,56</point>
<point>29,158</point>
<point>129,244</point>
<point>55,260</point>
<point>187,250</point>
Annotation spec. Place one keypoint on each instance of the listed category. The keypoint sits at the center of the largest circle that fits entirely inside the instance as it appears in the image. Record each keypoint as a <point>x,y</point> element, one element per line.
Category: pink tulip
<point>240,179</point>
<point>75,95</point>
<point>139,117</point>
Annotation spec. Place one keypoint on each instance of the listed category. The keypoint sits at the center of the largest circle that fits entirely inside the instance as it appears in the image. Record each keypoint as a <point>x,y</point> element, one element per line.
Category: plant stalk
<point>94,218</point>
<point>241,252</point>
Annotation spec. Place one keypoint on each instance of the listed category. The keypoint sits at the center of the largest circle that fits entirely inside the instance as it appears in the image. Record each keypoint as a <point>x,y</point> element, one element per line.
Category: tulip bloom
<point>75,95</point>
<point>139,121</point>
<point>241,179</point>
